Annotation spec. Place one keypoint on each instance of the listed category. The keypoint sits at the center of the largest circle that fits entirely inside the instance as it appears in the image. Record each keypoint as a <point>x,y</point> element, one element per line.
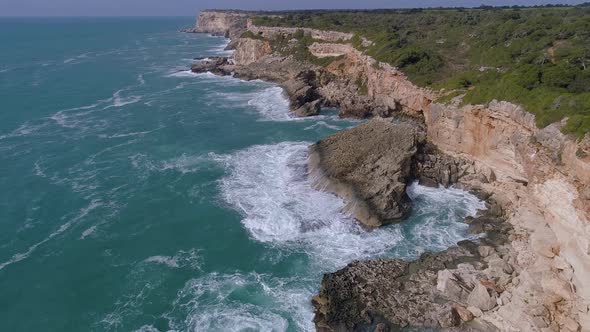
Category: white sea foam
<point>207,304</point>
<point>25,129</point>
<point>324,124</point>
<point>88,232</point>
<point>38,169</point>
<point>185,73</point>
<point>138,133</point>
<point>183,164</point>
<point>439,213</point>
<point>183,259</point>
<point>147,328</point>
<point>77,58</point>
<point>271,104</point>
<point>64,227</point>
<point>120,101</point>
<point>268,184</point>
<point>220,49</point>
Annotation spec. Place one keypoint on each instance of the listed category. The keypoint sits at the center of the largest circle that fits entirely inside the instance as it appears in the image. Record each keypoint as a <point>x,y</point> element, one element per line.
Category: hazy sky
<point>190,7</point>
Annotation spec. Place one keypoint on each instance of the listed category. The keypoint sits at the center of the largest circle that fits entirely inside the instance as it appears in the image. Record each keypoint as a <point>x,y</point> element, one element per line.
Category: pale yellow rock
<point>552,284</point>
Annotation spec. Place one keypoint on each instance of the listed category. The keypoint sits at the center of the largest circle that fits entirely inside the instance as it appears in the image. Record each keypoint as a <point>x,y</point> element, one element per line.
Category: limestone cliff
<point>542,178</point>
<point>538,279</point>
<point>229,24</point>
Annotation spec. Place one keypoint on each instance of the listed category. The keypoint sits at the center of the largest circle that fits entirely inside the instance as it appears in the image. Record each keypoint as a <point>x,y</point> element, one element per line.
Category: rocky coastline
<point>529,272</point>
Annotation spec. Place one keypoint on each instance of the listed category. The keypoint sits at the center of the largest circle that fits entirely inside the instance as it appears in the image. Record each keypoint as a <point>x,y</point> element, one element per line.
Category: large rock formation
<point>445,289</point>
<point>540,177</point>
<point>229,24</point>
<point>368,166</point>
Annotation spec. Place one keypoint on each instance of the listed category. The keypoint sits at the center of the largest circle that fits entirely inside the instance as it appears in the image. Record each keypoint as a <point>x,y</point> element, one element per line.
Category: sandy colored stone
<point>369,166</point>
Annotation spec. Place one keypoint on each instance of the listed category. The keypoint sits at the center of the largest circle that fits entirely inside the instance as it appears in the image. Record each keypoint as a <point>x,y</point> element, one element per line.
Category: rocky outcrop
<point>357,84</point>
<point>438,290</point>
<point>540,176</point>
<point>220,66</point>
<point>229,24</point>
<point>535,280</point>
<point>366,170</point>
<point>383,89</point>
<point>527,274</point>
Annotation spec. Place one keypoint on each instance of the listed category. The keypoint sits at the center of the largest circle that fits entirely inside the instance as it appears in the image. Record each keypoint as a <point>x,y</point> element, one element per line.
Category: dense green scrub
<point>537,57</point>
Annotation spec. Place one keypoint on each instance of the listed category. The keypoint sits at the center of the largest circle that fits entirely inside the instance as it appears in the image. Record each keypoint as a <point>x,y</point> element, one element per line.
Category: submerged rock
<point>368,166</point>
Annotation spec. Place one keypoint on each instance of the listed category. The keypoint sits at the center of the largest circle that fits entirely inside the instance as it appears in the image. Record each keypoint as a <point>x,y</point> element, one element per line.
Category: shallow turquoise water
<point>137,197</point>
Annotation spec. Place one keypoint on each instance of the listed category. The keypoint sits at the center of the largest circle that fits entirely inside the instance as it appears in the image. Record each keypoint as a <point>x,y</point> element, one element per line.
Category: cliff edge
<point>535,279</point>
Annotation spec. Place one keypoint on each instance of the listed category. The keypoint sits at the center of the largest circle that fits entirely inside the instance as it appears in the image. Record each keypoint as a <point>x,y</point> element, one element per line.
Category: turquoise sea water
<point>137,196</point>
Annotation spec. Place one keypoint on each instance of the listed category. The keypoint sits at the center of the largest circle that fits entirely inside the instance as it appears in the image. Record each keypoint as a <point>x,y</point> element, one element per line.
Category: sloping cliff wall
<point>543,178</point>
<point>540,176</point>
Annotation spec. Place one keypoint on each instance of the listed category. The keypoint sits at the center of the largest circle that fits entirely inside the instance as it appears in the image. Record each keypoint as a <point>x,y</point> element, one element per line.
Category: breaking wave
<point>268,185</point>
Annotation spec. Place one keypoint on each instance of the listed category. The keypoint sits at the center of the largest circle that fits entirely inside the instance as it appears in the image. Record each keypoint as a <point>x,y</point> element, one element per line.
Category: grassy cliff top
<point>538,57</point>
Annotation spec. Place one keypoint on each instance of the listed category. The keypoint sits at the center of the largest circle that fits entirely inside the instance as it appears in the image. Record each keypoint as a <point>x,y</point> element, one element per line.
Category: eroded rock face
<point>229,24</point>
<point>368,166</point>
<point>539,176</point>
<point>391,292</point>
<point>218,65</point>
<point>438,290</point>
<point>250,50</point>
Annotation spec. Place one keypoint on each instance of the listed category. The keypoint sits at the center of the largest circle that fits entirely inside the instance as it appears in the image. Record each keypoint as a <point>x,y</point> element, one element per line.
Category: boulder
<point>389,291</point>
<point>480,298</point>
<point>450,287</point>
<point>369,166</point>
<point>463,313</point>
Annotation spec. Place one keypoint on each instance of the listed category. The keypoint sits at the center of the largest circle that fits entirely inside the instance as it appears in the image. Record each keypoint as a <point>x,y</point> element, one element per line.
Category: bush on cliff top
<point>538,57</point>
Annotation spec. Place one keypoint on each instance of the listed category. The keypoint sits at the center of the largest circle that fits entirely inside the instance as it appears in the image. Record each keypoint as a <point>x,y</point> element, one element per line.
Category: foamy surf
<point>183,259</point>
<point>271,104</point>
<point>209,303</point>
<point>268,185</point>
<point>64,227</point>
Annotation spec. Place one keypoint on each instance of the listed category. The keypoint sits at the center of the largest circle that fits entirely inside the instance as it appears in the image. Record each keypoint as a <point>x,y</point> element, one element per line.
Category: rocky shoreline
<point>530,271</point>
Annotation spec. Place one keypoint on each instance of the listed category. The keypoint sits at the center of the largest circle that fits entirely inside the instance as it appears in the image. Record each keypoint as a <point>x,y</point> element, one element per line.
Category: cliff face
<point>222,23</point>
<point>272,32</point>
<point>387,88</point>
<point>543,179</point>
<point>250,50</point>
<point>540,177</point>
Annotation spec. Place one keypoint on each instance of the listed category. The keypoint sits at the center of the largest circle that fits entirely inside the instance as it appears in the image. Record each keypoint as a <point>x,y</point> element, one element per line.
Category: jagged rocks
<point>218,66</point>
<point>480,298</point>
<point>229,24</point>
<point>389,292</point>
<point>368,166</point>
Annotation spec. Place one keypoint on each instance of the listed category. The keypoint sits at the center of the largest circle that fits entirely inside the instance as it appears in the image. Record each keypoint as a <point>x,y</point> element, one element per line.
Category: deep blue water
<point>135,195</point>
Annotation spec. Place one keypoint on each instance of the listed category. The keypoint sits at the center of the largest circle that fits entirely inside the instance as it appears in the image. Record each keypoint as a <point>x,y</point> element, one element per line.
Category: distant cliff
<point>229,24</point>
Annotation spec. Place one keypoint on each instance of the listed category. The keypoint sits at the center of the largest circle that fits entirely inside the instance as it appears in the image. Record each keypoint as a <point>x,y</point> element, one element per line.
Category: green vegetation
<point>251,35</point>
<point>296,45</point>
<point>537,57</point>
<point>363,88</point>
